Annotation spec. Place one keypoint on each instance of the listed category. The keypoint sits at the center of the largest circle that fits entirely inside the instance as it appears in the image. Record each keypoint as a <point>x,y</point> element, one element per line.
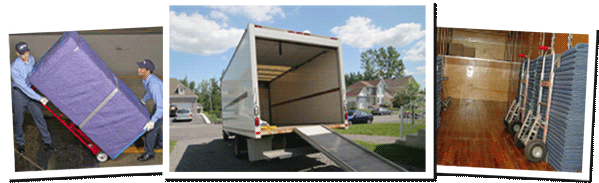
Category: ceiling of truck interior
<point>275,58</point>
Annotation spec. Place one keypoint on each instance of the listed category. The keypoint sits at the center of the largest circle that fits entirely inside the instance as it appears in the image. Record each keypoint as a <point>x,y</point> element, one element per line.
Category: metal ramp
<point>347,154</point>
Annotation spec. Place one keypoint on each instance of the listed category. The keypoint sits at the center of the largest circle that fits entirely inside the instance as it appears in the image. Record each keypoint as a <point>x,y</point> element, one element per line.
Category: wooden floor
<point>472,134</point>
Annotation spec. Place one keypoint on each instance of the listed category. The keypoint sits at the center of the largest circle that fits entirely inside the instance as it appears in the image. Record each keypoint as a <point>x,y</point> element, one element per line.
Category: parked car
<point>173,110</point>
<point>358,117</point>
<point>381,111</point>
<point>183,114</point>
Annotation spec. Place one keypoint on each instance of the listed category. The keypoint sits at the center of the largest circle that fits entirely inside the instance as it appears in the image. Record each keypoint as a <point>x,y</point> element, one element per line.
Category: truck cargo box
<point>76,81</point>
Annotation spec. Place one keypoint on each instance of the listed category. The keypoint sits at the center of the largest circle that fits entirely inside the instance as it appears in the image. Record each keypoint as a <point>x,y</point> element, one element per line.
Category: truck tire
<point>535,151</point>
<point>240,147</point>
<point>226,136</point>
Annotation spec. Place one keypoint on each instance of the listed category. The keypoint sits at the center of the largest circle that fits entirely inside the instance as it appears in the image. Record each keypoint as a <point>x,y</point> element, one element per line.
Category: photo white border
<point>10,155</point>
<point>592,32</point>
<point>429,170</point>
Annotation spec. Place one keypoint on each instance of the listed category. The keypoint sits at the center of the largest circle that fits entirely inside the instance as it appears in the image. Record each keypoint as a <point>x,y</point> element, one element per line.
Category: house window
<point>181,90</point>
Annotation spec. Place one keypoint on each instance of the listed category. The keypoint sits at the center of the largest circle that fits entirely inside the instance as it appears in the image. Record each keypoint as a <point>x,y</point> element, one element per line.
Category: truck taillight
<point>189,115</point>
<point>257,121</point>
<point>345,115</point>
<point>257,26</point>
<point>257,133</point>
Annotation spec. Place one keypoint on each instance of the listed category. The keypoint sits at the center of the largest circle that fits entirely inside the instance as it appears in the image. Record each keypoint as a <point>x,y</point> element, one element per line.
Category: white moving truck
<point>284,88</point>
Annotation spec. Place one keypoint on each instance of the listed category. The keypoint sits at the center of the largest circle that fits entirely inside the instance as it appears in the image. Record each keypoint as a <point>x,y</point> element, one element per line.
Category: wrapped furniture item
<point>76,81</point>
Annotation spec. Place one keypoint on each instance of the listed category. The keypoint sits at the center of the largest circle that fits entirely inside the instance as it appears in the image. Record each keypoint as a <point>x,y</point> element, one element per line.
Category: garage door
<point>183,105</point>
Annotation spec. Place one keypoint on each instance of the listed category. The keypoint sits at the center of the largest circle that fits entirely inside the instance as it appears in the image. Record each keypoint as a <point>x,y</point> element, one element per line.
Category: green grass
<point>365,110</point>
<point>399,154</point>
<point>383,129</point>
<point>171,145</point>
<point>213,118</point>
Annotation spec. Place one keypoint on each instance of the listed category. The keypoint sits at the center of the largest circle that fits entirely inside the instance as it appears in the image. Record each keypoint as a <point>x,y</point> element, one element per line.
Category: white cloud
<point>417,53</point>
<point>219,15</point>
<point>360,32</point>
<point>195,34</point>
<point>255,13</point>
<point>421,69</point>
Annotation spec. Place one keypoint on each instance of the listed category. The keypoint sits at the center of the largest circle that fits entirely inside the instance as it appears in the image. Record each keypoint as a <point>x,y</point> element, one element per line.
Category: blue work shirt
<point>19,72</point>
<point>153,86</point>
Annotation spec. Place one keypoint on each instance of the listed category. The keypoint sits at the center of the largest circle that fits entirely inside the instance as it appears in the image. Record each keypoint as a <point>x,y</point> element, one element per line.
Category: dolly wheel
<point>514,127</point>
<point>102,157</point>
<point>518,142</point>
<point>535,151</point>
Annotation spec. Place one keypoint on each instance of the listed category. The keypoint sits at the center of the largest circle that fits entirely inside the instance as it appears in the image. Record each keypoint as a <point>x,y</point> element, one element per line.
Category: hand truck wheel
<point>518,143</point>
<point>102,157</point>
<point>514,127</point>
<point>535,151</point>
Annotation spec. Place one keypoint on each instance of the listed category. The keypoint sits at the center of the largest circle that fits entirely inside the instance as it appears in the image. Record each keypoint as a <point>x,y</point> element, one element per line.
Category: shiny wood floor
<point>472,134</point>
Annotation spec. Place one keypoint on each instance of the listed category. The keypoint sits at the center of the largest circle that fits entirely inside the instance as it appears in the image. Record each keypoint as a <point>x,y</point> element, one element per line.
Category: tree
<point>408,94</point>
<point>381,63</point>
<point>352,78</point>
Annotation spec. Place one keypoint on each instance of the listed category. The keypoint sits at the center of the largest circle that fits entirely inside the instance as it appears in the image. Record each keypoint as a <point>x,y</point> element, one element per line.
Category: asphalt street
<point>200,148</point>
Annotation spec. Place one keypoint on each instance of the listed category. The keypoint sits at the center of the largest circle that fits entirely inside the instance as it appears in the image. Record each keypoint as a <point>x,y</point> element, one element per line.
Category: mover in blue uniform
<point>23,97</point>
<point>153,86</point>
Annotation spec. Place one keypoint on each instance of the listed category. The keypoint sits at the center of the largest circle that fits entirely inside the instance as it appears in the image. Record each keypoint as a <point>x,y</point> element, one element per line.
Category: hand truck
<point>511,120</point>
<point>100,155</point>
<point>535,149</point>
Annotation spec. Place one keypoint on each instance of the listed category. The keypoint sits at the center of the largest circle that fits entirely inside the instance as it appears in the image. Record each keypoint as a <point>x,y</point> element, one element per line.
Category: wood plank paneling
<point>472,134</point>
<point>478,79</point>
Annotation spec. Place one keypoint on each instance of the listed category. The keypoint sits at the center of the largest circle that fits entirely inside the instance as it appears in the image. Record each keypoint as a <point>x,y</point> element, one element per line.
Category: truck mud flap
<point>347,154</point>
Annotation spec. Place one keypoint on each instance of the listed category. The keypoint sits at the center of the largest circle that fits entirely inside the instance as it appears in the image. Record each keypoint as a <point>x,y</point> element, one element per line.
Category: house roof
<point>174,83</point>
<point>393,85</point>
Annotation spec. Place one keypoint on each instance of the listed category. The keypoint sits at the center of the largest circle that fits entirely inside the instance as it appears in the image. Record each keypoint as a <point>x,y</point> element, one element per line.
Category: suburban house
<point>373,93</point>
<point>183,97</point>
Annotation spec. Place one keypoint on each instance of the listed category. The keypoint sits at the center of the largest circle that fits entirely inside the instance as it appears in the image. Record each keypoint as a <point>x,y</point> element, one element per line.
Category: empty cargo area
<point>298,84</point>
<point>510,99</point>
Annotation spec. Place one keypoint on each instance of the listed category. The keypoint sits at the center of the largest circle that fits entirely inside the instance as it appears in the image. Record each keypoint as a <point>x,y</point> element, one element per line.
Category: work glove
<point>149,126</point>
<point>44,100</point>
<point>142,101</point>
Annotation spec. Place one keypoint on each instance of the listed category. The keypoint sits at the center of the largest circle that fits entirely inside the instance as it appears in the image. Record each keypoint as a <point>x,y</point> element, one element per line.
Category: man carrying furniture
<point>153,86</point>
<point>23,97</point>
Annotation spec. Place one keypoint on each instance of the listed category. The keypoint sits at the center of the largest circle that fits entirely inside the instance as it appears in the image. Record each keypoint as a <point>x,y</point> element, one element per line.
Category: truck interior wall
<point>264,102</point>
<point>477,79</point>
<point>309,94</point>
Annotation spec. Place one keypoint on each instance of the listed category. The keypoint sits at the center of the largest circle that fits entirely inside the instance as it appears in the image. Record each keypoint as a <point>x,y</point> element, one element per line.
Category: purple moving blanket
<point>74,79</point>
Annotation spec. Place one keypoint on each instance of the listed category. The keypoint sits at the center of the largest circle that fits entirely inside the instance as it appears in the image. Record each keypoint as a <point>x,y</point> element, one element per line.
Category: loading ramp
<point>349,155</point>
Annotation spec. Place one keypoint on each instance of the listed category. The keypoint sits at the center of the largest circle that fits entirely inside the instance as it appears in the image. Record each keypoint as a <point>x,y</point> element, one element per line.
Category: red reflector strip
<point>307,34</point>
<point>334,38</point>
<point>299,33</point>
<point>291,32</point>
<point>257,133</point>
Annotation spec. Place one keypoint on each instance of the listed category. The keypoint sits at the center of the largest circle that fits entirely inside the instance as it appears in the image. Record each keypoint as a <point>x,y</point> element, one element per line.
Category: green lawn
<point>172,145</point>
<point>399,154</point>
<point>384,129</point>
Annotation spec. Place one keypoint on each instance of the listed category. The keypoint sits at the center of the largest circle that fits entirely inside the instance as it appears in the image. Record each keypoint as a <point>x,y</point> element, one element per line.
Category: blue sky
<point>203,38</point>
